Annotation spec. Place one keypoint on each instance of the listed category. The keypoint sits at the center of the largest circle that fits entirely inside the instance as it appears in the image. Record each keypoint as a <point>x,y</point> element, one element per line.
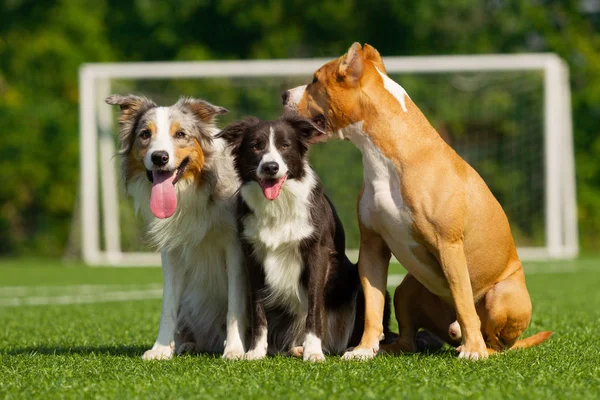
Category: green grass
<point>93,350</point>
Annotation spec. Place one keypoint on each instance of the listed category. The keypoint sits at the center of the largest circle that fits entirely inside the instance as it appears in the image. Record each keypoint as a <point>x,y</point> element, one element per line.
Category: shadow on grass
<point>136,351</point>
<point>129,351</point>
<point>125,350</point>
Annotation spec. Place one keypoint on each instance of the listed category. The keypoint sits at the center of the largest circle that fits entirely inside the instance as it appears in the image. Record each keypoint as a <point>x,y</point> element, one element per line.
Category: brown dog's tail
<point>530,341</point>
<point>533,340</point>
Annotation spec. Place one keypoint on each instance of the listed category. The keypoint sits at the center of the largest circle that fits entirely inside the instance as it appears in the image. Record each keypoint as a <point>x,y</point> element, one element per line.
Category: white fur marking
<point>163,140</point>
<point>395,89</point>
<point>312,348</point>
<point>272,155</point>
<point>296,95</point>
<point>260,349</point>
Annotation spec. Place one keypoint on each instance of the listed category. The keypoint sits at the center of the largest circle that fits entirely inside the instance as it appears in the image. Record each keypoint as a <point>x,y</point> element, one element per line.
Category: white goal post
<point>98,161</point>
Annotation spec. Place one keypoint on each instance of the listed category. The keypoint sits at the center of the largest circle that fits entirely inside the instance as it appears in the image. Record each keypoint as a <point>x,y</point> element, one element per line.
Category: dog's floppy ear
<point>351,64</point>
<point>132,107</point>
<point>234,133</point>
<point>370,53</point>
<point>308,132</point>
<point>204,110</point>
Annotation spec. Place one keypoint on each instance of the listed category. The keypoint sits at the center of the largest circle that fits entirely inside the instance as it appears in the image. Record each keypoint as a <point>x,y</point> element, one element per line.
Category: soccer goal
<point>509,116</point>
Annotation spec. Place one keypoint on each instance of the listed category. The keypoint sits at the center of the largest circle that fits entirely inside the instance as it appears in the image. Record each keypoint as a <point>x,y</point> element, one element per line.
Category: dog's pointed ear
<point>352,64</point>
<point>308,132</point>
<point>234,133</point>
<point>370,53</point>
<point>204,110</point>
<point>130,105</point>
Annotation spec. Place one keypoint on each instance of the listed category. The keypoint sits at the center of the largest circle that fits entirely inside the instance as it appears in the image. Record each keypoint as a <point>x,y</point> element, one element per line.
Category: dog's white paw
<point>255,354</point>
<point>316,356</point>
<point>360,354</point>
<point>233,353</point>
<point>159,353</point>
<point>481,354</point>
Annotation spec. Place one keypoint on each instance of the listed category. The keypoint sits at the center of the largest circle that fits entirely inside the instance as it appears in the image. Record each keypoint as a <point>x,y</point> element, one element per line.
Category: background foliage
<point>43,42</point>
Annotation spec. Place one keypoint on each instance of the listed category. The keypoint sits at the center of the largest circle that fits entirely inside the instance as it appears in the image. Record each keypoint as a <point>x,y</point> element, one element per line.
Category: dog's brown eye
<point>285,145</point>
<point>315,80</point>
<point>255,146</point>
<point>145,134</point>
<point>180,135</point>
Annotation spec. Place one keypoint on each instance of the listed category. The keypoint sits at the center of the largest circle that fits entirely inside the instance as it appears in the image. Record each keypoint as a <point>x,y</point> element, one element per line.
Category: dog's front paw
<point>233,353</point>
<point>316,356</point>
<point>159,353</point>
<point>473,351</point>
<point>256,354</point>
<point>360,354</point>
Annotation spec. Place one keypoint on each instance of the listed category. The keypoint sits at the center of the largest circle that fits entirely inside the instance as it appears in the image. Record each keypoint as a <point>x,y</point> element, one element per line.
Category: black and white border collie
<point>304,290</point>
<point>183,183</point>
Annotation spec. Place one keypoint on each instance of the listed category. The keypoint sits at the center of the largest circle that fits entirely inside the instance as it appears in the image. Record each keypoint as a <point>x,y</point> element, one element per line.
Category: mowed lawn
<point>76,332</point>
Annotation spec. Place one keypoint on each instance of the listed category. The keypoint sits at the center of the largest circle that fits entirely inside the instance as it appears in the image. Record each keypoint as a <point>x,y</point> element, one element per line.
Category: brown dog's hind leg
<point>505,312</point>
<point>416,308</point>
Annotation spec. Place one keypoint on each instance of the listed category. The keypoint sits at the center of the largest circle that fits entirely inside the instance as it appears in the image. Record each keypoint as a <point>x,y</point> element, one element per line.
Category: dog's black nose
<point>270,168</point>
<point>160,158</point>
<point>285,96</point>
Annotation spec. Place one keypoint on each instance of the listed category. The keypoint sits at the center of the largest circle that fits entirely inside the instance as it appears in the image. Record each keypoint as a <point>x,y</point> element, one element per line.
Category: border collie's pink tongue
<point>163,200</point>
<point>272,187</point>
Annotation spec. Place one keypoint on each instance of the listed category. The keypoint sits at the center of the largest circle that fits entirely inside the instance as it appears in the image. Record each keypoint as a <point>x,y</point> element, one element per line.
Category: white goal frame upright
<point>97,150</point>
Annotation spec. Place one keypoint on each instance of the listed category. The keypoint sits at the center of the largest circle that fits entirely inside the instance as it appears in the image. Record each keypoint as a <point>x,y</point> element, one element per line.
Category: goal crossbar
<point>97,144</point>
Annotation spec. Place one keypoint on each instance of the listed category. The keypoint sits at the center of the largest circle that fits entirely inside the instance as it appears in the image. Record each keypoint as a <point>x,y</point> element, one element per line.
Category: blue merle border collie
<point>306,295</point>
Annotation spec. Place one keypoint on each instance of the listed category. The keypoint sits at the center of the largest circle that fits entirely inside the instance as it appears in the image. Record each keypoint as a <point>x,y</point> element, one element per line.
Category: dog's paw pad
<point>359,354</point>
<point>314,357</point>
<point>161,353</point>
<point>255,354</point>
<point>233,354</point>
<point>471,355</point>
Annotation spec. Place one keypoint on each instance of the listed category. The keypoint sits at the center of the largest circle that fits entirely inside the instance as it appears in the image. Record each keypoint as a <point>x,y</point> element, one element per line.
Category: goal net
<point>509,116</point>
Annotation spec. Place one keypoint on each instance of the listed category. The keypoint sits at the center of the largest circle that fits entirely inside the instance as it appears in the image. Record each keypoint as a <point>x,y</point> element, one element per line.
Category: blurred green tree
<point>42,44</point>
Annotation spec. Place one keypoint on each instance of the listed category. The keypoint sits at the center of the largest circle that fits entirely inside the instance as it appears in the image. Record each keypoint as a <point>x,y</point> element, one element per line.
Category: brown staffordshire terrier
<point>423,203</point>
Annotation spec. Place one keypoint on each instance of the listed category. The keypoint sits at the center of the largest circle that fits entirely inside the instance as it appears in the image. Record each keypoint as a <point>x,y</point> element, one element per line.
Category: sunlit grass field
<point>67,331</point>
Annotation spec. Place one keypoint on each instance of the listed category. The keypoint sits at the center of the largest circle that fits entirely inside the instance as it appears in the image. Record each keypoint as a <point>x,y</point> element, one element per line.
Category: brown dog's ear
<point>370,53</point>
<point>204,110</point>
<point>234,133</point>
<point>352,63</point>
<point>308,132</point>
<point>131,107</point>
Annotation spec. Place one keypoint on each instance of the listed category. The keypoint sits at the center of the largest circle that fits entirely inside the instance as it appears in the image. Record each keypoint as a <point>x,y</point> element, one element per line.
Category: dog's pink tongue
<point>163,200</point>
<point>272,187</point>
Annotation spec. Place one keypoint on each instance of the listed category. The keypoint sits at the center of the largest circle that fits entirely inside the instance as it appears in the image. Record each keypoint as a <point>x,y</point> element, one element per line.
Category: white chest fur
<point>276,229</point>
<point>383,209</point>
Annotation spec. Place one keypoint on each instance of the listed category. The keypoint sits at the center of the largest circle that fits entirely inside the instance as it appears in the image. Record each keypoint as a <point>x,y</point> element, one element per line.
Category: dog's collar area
<point>180,170</point>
